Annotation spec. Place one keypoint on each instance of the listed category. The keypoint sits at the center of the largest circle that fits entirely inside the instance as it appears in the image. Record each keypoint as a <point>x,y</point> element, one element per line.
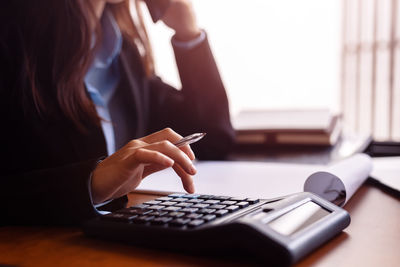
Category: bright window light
<point>271,54</point>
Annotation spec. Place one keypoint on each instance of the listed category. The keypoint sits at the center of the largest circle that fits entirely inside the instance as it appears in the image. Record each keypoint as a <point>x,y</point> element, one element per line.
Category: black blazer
<point>46,164</point>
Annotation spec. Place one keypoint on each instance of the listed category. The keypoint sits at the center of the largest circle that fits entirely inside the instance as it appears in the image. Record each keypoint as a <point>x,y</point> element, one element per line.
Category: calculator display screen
<point>298,218</point>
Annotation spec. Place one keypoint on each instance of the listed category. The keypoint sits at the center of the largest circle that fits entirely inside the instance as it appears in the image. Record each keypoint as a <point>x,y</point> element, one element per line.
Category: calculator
<point>277,231</point>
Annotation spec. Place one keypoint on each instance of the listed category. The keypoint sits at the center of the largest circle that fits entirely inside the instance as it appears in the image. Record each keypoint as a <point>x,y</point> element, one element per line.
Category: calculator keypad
<point>181,210</point>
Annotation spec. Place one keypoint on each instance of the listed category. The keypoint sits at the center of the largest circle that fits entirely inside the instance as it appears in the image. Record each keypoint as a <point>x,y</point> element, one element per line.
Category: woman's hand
<point>123,171</point>
<point>180,17</point>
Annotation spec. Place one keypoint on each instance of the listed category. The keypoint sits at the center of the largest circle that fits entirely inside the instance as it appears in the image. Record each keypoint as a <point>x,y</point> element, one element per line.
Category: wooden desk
<point>372,239</point>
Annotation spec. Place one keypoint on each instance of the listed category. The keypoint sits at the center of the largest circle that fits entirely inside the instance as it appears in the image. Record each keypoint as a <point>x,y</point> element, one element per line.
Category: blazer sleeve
<point>200,106</point>
<point>58,195</point>
<point>42,179</point>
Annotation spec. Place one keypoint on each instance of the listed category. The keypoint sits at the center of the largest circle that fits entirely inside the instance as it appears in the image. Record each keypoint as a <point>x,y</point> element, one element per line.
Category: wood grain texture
<point>372,239</point>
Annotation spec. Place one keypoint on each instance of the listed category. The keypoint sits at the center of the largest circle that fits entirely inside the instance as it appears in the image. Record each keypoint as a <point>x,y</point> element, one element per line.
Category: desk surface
<point>372,239</point>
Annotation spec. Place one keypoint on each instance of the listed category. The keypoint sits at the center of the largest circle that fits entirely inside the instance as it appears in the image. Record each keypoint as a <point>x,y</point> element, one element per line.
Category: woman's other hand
<point>123,171</point>
<point>180,17</point>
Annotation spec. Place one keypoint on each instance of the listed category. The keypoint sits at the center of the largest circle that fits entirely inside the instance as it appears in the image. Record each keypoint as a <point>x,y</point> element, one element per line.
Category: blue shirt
<point>103,76</point>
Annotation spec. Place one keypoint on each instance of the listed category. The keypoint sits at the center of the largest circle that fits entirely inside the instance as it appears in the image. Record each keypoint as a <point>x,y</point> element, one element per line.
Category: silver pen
<point>190,139</point>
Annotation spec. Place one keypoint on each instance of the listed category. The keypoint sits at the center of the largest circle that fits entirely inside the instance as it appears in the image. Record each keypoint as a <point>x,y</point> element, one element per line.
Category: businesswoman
<point>85,118</point>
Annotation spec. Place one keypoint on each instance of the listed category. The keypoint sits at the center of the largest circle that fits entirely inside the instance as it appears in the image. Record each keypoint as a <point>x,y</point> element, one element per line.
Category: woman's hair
<point>51,42</point>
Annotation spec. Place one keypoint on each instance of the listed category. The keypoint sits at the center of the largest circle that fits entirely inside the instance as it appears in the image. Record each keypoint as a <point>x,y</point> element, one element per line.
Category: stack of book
<point>287,127</point>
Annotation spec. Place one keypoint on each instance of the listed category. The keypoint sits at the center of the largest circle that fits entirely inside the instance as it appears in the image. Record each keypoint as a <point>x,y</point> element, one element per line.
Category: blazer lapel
<point>136,85</point>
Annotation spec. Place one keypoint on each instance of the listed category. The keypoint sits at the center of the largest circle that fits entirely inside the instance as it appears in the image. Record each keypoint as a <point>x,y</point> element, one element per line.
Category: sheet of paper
<point>387,171</point>
<point>236,178</point>
<point>266,180</point>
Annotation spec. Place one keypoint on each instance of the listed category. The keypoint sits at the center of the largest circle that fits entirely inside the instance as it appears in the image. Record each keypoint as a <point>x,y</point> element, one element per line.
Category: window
<point>271,54</point>
<point>371,67</point>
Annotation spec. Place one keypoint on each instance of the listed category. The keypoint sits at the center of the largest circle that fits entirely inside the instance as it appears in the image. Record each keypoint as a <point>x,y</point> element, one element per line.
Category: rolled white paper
<point>341,179</point>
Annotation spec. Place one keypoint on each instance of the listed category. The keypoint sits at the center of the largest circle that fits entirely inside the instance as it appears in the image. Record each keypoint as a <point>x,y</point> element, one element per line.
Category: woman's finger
<point>164,134</point>
<point>188,150</point>
<point>149,156</point>
<point>136,143</point>
<point>169,135</point>
<point>152,168</point>
<point>173,152</point>
<point>187,180</point>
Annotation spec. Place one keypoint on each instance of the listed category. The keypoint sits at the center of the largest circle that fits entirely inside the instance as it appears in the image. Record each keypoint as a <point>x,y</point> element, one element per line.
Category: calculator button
<point>152,202</point>
<point>238,198</point>
<point>179,222</point>
<point>211,201</point>
<point>242,204</point>
<point>161,220</point>
<point>164,198</point>
<point>119,217</point>
<point>180,199</point>
<point>196,223</point>
<point>176,214</point>
<point>209,217</point>
<point>176,195</point>
<point>200,206</point>
<point>232,208</point>
<point>143,219</point>
<point>189,210</point>
<point>206,197</point>
<point>221,198</point>
<point>194,216</point>
<point>196,200</point>
<point>221,213</point>
<point>218,207</point>
<point>158,213</point>
<point>206,211</point>
<point>134,211</point>
<point>191,196</point>
<point>252,200</point>
<point>156,207</point>
<point>140,206</point>
<point>228,202</point>
<point>142,212</point>
<point>184,204</point>
<point>168,203</point>
<point>170,208</point>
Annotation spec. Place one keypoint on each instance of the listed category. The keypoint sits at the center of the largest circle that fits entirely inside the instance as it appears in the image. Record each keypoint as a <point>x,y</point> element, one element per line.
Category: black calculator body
<point>277,232</point>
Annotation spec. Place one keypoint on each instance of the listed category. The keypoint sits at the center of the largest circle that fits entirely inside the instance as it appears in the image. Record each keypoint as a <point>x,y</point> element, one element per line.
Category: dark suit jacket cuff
<point>191,43</point>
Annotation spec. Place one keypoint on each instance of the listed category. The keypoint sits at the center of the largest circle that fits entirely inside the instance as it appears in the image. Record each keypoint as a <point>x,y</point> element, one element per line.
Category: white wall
<point>271,54</point>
